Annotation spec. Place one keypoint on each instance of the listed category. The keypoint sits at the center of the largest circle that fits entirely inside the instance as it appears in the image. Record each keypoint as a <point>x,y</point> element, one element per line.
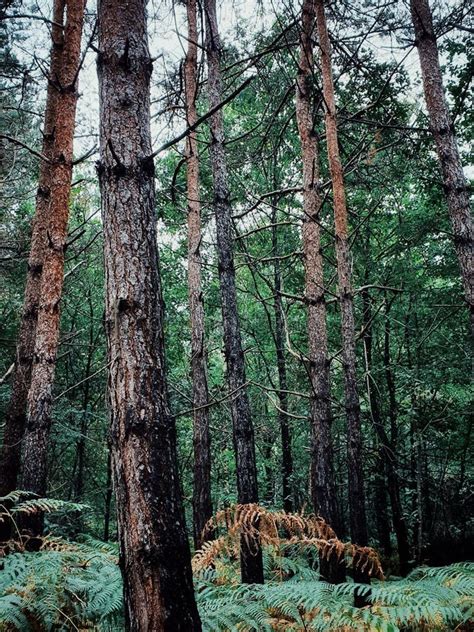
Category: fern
<point>282,531</point>
<point>62,587</point>
<point>77,585</point>
<point>429,599</point>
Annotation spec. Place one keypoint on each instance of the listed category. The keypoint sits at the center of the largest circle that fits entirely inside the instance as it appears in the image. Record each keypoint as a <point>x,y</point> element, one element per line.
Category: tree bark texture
<point>243,434</point>
<point>322,480</point>
<point>202,504</point>
<point>454,181</point>
<point>155,555</point>
<point>358,521</point>
<point>15,420</point>
<point>36,439</point>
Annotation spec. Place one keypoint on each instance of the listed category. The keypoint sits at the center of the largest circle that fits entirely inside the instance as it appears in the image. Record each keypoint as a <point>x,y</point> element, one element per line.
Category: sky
<point>167,25</point>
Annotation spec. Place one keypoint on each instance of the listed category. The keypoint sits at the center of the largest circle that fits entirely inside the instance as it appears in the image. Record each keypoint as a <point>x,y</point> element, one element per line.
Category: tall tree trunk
<point>15,420</point>
<point>322,478</point>
<point>381,508</point>
<point>35,449</point>
<point>454,181</point>
<point>202,505</point>
<point>286,454</point>
<point>358,521</point>
<point>399,522</point>
<point>78,483</point>
<point>108,498</point>
<point>155,554</point>
<point>243,434</point>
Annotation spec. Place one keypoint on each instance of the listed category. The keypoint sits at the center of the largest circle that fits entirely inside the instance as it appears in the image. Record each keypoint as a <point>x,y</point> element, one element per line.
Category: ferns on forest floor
<point>76,585</point>
<point>70,586</point>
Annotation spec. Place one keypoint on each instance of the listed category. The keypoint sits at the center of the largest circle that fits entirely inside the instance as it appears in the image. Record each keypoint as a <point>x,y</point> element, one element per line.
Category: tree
<point>283,417</point>
<point>153,541</point>
<point>358,522</point>
<point>15,418</point>
<point>322,478</point>
<point>441,125</point>
<point>243,434</point>
<point>202,504</point>
<point>45,282</point>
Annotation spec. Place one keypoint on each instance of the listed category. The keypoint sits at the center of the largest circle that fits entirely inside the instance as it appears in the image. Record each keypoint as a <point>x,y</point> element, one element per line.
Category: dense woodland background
<point>413,336</point>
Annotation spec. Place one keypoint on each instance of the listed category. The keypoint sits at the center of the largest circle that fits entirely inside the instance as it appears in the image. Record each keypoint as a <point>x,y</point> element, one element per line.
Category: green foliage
<point>64,589</point>
<point>21,502</point>
<point>429,599</point>
<point>72,585</point>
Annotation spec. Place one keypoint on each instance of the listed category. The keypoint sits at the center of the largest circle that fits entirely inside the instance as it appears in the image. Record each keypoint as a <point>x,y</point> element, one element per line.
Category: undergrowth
<point>77,586</point>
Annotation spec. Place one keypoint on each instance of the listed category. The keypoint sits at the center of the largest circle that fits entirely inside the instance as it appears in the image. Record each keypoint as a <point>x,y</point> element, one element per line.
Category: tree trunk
<point>243,434</point>
<point>358,521</point>
<point>202,505</point>
<point>454,181</point>
<point>15,420</point>
<point>155,554</point>
<point>35,448</point>
<point>357,515</point>
<point>286,454</point>
<point>399,523</point>
<point>323,497</point>
<point>108,498</point>
<point>381,508</point>
<point>322,477</point>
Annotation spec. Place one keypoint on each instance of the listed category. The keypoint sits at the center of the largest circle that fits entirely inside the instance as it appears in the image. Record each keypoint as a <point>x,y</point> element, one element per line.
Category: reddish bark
<point>322,487</point>
<point>35,443</point>
<point>322,478</point>
<point>15,419</point>
<point>358,521</point>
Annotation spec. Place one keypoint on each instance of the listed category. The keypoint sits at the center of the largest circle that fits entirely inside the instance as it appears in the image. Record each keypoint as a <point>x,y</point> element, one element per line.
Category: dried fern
<point>281,531</point>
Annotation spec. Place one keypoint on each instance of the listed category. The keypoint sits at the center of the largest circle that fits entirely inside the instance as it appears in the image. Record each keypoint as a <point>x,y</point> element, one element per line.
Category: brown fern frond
<point>204,558</point>
<point>279,529</point>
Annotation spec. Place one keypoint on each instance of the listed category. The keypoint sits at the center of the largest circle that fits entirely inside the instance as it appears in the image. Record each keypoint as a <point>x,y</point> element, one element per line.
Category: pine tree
<point>153,541</point>
<point>243,434</point>
<point>202,504</point>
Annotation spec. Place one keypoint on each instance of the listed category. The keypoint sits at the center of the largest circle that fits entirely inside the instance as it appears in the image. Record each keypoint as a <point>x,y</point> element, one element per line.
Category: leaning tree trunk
<point>15,420</point>
<point>322,479</point>
<point>154,548</point>
<point>202,505</point>
<point>65,81</point>
<point>358,521</point>
<point>454,181</point>
<point>243,434</point>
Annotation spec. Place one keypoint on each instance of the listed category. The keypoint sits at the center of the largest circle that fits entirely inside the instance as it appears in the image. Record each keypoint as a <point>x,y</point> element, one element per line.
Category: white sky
<point>165,26</point>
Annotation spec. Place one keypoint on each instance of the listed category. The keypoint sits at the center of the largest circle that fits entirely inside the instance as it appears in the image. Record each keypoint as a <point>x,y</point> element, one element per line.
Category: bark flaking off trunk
<point>15,420</point>
<point>36,440</point>
<point>322,479</point>
<point>358,521</point>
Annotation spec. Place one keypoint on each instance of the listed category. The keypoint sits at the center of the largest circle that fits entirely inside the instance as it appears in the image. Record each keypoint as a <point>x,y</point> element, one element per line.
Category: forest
<point>236,316</point>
